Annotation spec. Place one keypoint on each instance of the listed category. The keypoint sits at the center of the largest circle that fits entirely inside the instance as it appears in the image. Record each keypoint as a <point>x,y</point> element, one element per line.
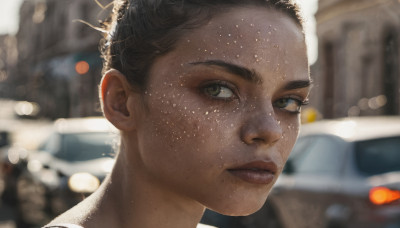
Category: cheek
<point>290,131</point>
<point>186,137</point>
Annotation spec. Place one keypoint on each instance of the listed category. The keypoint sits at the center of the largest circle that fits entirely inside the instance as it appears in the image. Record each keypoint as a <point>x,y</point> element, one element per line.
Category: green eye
<point>219,91</point>
<point>289,104</point>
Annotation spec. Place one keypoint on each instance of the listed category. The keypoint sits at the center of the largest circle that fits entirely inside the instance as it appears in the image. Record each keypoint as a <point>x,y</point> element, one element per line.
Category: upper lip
<point>259,165</point>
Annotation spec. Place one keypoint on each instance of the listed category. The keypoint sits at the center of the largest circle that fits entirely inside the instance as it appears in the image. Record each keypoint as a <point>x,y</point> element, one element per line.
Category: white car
<point>69,165</point>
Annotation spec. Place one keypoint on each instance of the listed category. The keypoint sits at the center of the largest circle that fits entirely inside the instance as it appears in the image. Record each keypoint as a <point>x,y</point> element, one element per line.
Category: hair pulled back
<point>139,31</point>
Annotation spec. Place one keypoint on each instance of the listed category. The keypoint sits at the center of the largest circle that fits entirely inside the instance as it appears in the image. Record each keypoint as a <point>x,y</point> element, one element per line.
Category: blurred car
<point>341,173</point>
<point>67,167</point>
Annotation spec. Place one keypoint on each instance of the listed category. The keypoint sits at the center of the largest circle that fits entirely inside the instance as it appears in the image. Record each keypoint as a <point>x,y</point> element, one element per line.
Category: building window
<point>391,72</point>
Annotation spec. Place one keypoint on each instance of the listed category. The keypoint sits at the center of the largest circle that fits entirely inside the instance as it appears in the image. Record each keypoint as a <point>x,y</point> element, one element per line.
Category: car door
<point>311,181</point>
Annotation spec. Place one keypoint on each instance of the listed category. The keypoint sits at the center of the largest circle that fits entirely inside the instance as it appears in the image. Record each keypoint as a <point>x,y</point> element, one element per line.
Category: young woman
<point>207,96</point>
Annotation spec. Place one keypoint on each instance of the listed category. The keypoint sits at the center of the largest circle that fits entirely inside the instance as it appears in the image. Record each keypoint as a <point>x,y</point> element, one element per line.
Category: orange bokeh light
<point>82,67</point>
<point>382,195</point>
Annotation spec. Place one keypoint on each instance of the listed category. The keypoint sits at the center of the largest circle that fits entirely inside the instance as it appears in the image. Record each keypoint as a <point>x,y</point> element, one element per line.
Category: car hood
<point>97,167</point>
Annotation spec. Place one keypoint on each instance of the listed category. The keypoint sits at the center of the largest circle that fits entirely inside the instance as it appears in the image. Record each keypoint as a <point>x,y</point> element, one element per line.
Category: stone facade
<point>357,72</point>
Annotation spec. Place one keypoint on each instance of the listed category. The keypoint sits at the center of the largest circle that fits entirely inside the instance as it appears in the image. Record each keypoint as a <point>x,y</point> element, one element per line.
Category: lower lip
<point>253,176</point>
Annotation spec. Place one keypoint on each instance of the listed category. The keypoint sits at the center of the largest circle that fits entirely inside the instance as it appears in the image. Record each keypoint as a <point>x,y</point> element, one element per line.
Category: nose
<point>262,128</point>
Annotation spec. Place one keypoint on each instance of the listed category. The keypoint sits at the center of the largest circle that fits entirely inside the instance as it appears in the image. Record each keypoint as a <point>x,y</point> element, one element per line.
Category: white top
<point>76,226</point>
<point>204,226</point>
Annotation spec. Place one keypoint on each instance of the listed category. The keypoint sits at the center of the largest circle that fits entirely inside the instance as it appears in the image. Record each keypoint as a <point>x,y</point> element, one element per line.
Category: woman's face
<point>221,112</point>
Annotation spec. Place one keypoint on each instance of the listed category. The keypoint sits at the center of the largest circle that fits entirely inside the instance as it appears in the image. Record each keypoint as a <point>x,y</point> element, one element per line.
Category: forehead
<point>248,36</point>
<point>261,40</point>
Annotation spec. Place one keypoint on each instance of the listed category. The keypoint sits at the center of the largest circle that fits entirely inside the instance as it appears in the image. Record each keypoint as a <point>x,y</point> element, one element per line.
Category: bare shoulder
<point>74,217</point>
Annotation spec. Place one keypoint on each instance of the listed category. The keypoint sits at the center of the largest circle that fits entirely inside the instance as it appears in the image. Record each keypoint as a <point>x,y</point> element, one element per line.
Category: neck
<point>134,200</point>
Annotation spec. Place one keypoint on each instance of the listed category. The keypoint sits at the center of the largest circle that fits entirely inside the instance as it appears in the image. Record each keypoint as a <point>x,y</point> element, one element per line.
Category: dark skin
<point>225,98</point>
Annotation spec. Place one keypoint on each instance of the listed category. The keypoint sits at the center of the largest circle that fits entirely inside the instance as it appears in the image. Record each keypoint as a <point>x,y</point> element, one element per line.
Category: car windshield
<point>85,146</point>
<point>378,156</point>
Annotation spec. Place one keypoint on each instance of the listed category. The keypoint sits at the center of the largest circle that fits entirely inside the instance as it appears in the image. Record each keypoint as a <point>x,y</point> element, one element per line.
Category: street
<point>7,216</point>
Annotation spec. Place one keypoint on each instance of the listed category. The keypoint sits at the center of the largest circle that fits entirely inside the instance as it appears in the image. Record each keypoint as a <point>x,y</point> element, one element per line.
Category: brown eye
<point>219,91</point>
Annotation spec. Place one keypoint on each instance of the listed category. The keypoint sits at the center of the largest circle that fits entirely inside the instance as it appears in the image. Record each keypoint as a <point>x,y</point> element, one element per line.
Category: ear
<point>115,93</point>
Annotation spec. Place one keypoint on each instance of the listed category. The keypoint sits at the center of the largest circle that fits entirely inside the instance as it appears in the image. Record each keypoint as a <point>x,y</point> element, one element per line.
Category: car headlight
<point>83,183</point>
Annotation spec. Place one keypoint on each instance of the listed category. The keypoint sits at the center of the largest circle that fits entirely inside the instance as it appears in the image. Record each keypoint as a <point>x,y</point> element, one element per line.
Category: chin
<point>242,207</point>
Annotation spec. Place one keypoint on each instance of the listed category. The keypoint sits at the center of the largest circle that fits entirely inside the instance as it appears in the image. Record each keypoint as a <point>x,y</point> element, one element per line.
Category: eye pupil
<point>213,90</point>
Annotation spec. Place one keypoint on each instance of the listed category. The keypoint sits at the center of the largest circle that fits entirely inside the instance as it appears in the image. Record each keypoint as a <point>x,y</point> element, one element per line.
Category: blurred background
<point>50,67</point>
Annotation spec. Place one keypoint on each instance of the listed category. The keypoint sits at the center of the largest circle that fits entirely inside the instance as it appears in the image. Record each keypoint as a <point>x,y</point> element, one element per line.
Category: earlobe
<point>114,92</point>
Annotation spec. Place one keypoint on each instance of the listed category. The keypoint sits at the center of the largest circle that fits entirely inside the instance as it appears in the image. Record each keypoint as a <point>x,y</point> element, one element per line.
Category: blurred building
<point>8,60</point>
<point>59,65</point>
<point>357,72</point>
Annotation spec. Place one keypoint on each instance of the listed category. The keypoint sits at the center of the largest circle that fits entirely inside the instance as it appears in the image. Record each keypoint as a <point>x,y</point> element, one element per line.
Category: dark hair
<point>139,31</point>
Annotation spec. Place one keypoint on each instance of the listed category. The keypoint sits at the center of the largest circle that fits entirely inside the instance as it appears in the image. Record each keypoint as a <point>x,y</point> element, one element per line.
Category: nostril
<point>258,140</point>
<point>257,132</point>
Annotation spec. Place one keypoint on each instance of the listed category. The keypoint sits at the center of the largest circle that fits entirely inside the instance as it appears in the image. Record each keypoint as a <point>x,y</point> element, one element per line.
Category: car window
<point>85,146</point>
<point>378,156</point>
<point>323,156</point>
<point>52,144</point>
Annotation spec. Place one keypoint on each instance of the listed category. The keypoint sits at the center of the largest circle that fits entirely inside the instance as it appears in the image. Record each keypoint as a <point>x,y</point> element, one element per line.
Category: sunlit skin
<point>227,95</point>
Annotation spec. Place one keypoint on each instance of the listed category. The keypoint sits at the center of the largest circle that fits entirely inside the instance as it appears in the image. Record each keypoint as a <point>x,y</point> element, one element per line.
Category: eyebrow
<point>298,84</point>
<point>243,72</point>
<point>250,75</point>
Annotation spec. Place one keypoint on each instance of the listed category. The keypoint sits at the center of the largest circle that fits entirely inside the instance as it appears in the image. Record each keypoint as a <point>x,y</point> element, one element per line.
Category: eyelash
<point>232,89</point>
<point>298,102</point>
<point>229,88</point>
